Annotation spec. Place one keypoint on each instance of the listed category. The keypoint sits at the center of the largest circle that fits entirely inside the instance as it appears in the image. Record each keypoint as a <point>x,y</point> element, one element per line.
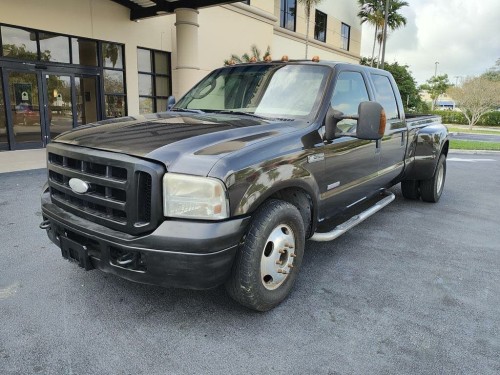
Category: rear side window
<point>384,94</point>
<point>350,90</point>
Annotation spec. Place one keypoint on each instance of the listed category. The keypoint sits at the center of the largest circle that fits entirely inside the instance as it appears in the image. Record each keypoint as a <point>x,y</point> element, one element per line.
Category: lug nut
<point>282,251</point>
<point>278,262</point>
<point>290,265</point>
<point>293,255</point>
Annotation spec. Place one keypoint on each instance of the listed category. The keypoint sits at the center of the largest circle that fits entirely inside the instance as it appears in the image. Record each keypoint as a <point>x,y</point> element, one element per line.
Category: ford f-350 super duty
<point>227,186</point>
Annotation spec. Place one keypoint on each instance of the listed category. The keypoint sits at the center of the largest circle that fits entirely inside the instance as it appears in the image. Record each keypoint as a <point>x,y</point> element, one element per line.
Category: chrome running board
<point>355,220</point>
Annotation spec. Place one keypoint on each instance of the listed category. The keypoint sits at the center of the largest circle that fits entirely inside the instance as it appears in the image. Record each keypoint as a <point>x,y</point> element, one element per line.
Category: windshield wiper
<point>225,111</point>
<point>187,110</point>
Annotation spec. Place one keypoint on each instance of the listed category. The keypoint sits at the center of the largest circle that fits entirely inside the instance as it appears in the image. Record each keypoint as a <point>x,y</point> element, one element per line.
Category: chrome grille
<point>124,192</point>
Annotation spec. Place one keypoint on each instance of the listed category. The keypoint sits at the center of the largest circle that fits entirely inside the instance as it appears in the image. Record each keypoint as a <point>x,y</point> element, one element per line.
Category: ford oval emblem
<point>79,186</point>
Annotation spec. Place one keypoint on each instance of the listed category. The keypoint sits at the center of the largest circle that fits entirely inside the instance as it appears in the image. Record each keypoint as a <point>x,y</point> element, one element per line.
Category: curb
<point>473,152</point>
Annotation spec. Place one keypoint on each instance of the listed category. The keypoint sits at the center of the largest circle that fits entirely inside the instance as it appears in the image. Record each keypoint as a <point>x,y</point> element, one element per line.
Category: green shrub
<point>455,117</point>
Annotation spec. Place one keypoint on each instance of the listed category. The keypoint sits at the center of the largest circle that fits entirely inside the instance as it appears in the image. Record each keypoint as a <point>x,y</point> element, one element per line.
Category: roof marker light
<point>315,59</point>
<point>284,58</point>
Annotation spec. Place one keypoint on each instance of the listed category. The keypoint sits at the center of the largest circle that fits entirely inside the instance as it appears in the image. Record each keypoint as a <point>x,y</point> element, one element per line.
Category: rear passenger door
<point>393,143</point>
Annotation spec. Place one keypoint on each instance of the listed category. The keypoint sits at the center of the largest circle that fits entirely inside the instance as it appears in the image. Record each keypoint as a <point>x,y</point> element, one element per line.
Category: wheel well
<point>446,146</point>
<point>304,203</point>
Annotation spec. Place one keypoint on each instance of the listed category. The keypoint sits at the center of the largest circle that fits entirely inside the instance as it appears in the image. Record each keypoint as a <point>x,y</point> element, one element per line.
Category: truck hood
<point>185,143</point>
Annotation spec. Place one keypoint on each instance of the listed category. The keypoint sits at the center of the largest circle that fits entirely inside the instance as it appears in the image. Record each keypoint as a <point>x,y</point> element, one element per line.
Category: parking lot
<point>415,289</point>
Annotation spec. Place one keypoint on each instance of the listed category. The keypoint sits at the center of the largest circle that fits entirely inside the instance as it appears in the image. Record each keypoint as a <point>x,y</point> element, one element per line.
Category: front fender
<point>263,183</point>
<point>429,143</point>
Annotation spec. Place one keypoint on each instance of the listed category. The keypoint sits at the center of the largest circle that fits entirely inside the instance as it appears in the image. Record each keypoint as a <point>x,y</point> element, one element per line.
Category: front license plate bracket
<point>75,252</point>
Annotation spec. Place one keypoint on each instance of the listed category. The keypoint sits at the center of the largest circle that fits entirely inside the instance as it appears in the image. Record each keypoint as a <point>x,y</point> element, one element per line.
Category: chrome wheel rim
<point>440,178</point>
<point>278,257</point>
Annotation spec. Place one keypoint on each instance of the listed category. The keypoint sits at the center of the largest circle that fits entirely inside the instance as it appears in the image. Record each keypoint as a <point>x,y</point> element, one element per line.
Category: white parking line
<point>469,160</point>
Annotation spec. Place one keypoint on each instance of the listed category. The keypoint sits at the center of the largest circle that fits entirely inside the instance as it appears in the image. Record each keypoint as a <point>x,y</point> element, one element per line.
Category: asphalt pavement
<point>415,289</point>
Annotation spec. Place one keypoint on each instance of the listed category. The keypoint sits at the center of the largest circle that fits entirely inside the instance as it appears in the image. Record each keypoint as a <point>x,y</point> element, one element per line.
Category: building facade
<point>68,63</point>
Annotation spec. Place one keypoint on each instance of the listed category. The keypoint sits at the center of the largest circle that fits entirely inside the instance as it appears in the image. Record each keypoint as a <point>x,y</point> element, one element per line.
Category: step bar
<point>355,220</point>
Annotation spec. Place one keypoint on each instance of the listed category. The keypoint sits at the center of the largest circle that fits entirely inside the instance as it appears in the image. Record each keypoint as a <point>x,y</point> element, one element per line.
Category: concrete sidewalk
<point>22,160</point>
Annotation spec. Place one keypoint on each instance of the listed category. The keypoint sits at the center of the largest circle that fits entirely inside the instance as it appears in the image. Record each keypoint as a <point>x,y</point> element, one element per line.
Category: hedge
<point>455,117</point>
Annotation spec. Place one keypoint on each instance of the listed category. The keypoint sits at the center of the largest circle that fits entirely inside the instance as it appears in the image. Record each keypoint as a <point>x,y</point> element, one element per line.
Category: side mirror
<point>333,117</point>
<point>371,121</point>
<point>170,102</point>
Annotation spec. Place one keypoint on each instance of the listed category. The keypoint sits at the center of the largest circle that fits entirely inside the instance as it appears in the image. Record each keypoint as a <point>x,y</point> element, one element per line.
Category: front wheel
<point>431,189</point>
<point>268,262</point>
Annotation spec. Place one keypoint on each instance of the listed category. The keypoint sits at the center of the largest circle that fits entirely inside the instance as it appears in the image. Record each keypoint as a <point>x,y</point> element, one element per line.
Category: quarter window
<point>384,94</point>
<point>320,26</point>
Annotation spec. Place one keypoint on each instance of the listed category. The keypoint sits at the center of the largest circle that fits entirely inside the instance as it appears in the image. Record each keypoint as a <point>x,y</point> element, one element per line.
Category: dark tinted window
<point>287,14</point>
<point>350,90</point>
<point>320,26</point>
<point>384,94</point>
<point>19,43</point>
<point>84,51</point>
<point>54,47</point>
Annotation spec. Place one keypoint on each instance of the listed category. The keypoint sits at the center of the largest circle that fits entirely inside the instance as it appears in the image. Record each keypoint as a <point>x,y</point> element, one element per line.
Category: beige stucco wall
<point>222,30</point>
<point>99,19</point>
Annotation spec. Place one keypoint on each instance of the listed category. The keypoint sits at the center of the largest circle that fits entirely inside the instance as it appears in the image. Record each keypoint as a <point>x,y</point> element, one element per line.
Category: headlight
<point>194,197</point>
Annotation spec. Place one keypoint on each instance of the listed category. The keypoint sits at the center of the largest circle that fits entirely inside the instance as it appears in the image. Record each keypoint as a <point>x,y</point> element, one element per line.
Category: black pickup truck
<point>226,187</point>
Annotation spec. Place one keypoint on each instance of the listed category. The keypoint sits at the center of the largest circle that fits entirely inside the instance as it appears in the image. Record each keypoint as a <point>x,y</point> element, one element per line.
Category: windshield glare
<point>281,91</point>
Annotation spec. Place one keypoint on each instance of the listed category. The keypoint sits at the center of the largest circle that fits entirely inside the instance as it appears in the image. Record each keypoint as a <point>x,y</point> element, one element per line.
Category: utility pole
<point>384,34</point>
<point>436,69</point>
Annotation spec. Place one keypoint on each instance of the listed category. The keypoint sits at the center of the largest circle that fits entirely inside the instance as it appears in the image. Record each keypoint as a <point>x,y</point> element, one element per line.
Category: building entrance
<point>41,104</point>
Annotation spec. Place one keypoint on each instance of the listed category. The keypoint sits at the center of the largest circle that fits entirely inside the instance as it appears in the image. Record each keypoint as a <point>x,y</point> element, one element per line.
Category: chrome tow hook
<point>45,224</point>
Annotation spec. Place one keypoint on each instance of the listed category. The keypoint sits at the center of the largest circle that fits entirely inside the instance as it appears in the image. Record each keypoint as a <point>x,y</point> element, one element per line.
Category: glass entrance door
<point>40,105</point>
<point>59,99</point>
<point>86,99</point>
<point>23,109</point>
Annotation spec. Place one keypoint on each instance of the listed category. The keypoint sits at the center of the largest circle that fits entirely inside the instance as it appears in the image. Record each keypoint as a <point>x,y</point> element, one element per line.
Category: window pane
<point>161,105</point>
<point>320,26</point>
<point>113,82</point>
<point>162,86</point>
<point>145,84</point>
<point>145,105</point>
<point>161,63</point>
<point>115,106</point>
<point>54,47</point>
<point>19,43</point>
<point>346,31</point>
<point>4,142</point>
<point>385,96</point>
<point>143,60</point>
<point>112,55</point>
<point>84,52</point>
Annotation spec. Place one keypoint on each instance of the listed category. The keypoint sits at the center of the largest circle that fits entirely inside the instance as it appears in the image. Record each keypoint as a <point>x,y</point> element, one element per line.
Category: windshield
<point>274,91</point>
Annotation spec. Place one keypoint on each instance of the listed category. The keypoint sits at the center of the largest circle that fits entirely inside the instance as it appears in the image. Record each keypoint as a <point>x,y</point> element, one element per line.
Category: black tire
<point>249,283</point>
<point>431,189</point>
<point>410,189</point>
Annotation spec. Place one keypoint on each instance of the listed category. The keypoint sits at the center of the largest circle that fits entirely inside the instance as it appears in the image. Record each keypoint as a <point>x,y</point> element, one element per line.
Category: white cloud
<point>463,36</point>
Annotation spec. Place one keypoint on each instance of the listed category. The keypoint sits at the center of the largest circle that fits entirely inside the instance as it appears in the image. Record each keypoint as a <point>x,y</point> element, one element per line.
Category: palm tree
<point>254,56</point>
<point>373,11</point>
<point>308,5</point>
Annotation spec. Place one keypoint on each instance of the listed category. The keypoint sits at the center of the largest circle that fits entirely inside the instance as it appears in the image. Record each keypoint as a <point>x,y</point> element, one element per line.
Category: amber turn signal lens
<point>284,58</point>
<point>315,59</point>
<point>383,120</point>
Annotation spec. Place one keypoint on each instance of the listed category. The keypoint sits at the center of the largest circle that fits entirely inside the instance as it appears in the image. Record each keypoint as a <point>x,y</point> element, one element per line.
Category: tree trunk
<point>307,32</point>
<point>374,43</point>
<point>379,51</point>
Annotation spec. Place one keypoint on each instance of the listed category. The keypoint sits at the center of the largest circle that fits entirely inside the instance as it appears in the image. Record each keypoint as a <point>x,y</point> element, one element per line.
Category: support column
<point>187,71</point>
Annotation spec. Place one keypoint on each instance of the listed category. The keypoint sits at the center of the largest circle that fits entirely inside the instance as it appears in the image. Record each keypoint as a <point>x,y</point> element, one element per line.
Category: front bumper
<point>179,253</point>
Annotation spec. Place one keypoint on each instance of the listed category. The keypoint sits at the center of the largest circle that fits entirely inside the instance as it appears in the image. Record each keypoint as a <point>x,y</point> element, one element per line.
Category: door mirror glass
<point>170,102</point>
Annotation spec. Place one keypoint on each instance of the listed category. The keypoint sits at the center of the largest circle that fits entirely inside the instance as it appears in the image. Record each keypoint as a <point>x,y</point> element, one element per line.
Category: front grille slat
<point>124,191</point>
<point>89,197</point>
<point>70,173</point>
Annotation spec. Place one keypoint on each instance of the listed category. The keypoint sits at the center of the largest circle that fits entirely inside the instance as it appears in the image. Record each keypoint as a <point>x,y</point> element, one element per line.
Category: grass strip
<point>474,145</point>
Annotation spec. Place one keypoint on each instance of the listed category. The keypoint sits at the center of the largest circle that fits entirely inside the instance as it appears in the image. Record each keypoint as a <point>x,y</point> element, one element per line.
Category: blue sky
<point>463,36</point>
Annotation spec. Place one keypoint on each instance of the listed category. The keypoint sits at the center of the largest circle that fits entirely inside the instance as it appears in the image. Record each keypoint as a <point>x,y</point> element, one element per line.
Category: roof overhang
<point>151,8</point>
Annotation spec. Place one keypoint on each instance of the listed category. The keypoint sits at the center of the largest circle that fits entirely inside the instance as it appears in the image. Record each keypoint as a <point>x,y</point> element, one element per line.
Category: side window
<point>384,94</point>
<point>350,90</point>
